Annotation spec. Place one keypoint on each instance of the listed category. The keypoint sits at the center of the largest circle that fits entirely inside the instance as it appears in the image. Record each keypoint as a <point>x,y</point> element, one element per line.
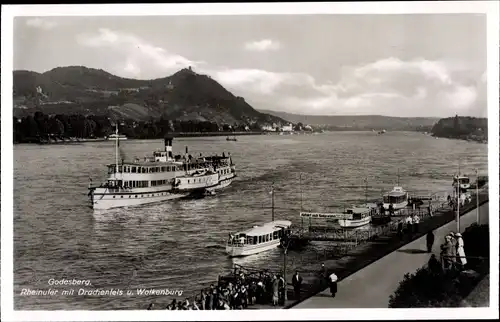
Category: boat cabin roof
<point>396,192</point>
<point>357,210</point>
<point>146,163</point>
<point>267,228</point>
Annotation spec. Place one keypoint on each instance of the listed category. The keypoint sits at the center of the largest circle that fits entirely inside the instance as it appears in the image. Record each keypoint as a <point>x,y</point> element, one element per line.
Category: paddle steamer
<point>160,177</point>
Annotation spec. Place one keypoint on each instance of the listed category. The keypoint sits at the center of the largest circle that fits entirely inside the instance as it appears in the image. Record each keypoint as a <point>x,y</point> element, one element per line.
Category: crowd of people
<point>464,198</point>
<point>411,222</point>
<point>238,291</point>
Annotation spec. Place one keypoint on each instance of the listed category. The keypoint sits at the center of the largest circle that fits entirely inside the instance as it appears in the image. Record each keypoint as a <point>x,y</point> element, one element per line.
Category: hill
<point>184,95</point>
<point>463,128</point>
<point>360,122</point>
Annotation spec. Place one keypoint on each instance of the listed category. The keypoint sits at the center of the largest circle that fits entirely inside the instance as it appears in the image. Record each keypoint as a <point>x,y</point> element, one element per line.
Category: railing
<point>453,262</point>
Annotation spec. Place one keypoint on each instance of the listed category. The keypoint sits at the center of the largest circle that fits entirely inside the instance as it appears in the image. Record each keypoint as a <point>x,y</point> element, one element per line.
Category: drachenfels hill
<point>184,95</point>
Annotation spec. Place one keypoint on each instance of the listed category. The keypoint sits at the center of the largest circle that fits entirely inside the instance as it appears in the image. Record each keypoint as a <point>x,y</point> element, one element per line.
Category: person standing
<point>297,283</point>
<point>323,274</point>
<point>203,300</point>
<point>209,299</point>
<point>462,261</point>
<point>430,241</point>
<point>275,290</point>
<point>416,221</point>
<point>409,224</point>
<point>433,264</point>
<point>282,290</point>
<point>450,253</point>
<point>333,284</point>
<point>391,210</point>
<point>400,229</point>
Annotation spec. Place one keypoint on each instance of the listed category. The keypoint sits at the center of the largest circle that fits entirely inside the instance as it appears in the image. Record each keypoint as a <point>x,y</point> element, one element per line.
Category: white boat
<point>114,137</point>
<point>257,239</point>
<point>397,197</point>
<point>462,180</point>
<point>360,216</point>
<point>140,182</point>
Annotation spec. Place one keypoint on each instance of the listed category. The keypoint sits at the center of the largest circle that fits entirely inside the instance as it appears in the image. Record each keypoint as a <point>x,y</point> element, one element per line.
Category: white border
<point>491,8</point>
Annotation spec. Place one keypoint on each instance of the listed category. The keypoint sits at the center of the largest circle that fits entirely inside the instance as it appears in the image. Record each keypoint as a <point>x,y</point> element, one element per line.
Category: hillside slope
<point>462,127</point>
<point>360,122</point>
<point>81,90</point>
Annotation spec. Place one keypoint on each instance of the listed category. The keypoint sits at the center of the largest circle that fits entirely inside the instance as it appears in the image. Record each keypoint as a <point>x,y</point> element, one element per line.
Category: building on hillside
<point>268,128</point>
<point>287,128</point>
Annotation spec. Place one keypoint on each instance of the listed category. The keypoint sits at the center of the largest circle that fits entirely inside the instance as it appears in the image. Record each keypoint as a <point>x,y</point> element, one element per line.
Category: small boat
<point>397,197</point>
<point>258,238</point>
<point>381,132</point>
<point>231,139</point>
<point>462,180</point>
<point>360,216</point>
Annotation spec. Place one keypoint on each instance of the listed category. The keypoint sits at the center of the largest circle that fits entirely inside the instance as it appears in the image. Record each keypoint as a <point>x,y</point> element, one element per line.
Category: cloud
<point>262,45</point>
<point>388,86</point>
<point>139,57</point>
<point>41,23</point>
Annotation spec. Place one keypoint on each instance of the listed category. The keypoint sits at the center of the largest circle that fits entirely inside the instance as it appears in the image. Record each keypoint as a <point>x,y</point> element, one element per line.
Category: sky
<point>426,65</point>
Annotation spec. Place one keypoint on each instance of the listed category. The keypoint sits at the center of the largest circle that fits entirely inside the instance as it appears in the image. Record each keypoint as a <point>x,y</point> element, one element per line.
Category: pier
<point>326,232</point>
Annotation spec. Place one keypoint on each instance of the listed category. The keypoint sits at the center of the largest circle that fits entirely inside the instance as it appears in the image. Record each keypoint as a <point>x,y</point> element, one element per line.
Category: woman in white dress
<point>460,250</point>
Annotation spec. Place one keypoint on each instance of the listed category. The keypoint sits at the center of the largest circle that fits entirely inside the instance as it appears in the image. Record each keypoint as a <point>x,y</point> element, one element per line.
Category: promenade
<point>371,286</point>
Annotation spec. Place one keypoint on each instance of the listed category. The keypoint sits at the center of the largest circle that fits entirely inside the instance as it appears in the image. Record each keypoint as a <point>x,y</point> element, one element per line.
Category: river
<point>180,245</point>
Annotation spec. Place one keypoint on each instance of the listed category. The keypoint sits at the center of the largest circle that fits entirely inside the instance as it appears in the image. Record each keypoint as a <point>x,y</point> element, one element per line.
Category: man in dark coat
<point>391,209</point>
<point>434,265</point>
<point>430,241</point>
<point>297,283</point>
<point>323,275</point>
<point>400,229</point>
<point>210,299</point>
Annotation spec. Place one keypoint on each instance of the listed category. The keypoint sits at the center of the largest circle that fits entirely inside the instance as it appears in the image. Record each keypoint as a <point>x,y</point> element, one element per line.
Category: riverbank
<point>174,134</point>
<point>364,255</point>
<point>477,139</point>
<point>372,286</point>
<point>372,251</point>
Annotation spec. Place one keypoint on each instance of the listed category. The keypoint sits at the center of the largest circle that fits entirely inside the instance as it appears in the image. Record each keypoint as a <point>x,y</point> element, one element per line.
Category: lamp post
<point>272,201</point>
<point>477,197</point>
<point>300,186</point>
<point>285,242</point>
<point>458,200</point>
